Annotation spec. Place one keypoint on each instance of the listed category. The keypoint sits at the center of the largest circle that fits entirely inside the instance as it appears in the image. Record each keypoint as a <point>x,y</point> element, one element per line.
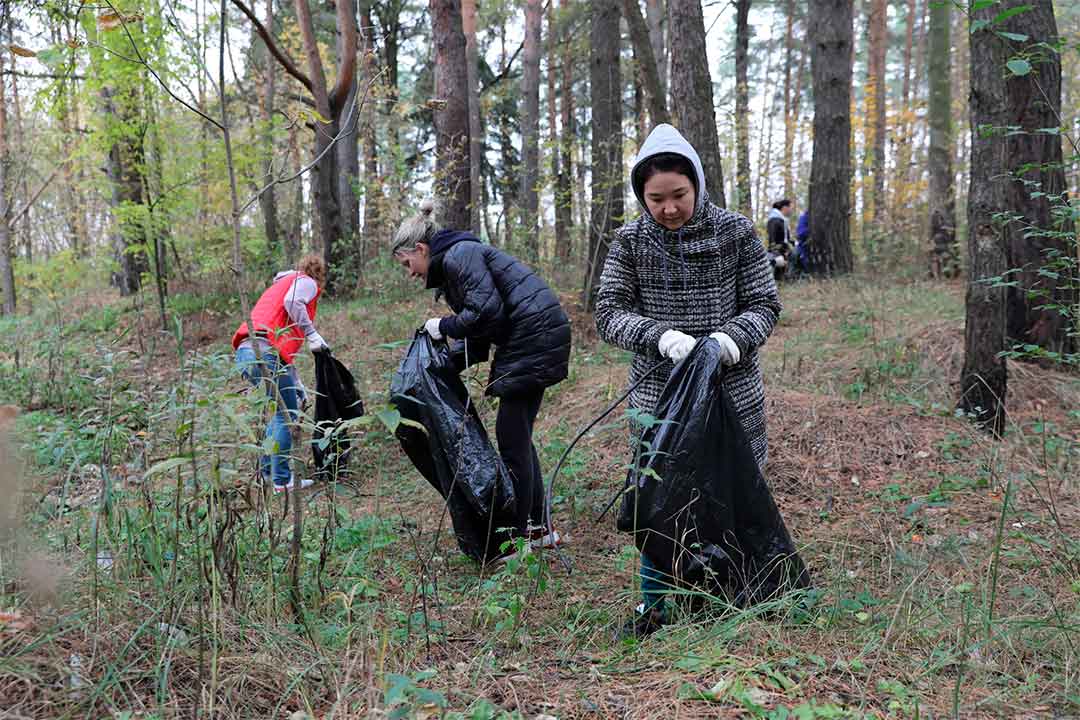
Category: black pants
<point>513,430</point>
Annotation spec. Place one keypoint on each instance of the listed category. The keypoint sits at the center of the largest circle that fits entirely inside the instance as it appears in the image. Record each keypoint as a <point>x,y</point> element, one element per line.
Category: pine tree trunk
<point>691,91</point>
<point>830,33</point>
<point>790,120</point>
<point>983,381</point>
<point>476,137</point>
<point>944,258</point>
<point>7,268</point>
<point>530,128</point>
<point>553,109</point>
<point>654,16</point>
<point>452,117</point>
<point>875,112</point>
<point>605,86</point>
<point>742,109</point>
<point>348,157</point>
<point>268,199</point>
<point>374,233</point>
<point>564,194</point>
<point>648,75</point>
<point>901,183</point>
<point>1035,304</point>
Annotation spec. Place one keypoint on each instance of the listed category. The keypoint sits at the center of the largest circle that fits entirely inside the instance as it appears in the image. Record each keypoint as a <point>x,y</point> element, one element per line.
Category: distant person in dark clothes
<point>802,242</point>
<point>781,246</point>
<point>284,318</point>
<point>683,270</point>
<point>498,302</point>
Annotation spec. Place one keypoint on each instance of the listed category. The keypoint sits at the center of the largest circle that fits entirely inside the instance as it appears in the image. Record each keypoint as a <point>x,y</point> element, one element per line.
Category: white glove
<point>675,345</point>
<point>431,327</point>
<point>316,343</point>
<point>729,351</point>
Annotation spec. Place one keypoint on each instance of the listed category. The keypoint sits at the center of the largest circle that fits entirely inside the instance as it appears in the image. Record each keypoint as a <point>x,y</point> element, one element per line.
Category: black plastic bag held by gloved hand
<point>455,454</point>
<point>336,400</point>
<point>701,510</point>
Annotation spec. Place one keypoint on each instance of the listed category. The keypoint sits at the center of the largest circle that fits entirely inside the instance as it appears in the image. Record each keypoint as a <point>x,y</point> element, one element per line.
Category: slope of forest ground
<point>946,566</point>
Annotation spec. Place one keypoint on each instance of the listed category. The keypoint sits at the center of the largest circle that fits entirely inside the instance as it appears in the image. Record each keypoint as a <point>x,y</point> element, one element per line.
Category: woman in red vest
<point>284,318</point>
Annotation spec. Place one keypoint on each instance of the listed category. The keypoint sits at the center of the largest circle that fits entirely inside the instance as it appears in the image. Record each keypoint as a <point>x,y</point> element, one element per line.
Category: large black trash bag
<point>336,400</point>
<point>455,454</point>
<point>702,511</point>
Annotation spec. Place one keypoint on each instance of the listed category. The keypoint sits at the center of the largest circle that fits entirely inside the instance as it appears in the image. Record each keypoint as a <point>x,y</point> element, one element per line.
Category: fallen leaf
<point>916,538</point>
<point>21,51</point>
<point>13,620</point>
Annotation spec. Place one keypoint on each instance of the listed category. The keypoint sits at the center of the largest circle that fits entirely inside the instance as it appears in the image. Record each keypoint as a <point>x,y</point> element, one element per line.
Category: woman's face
<point>415,261</point>
<point>669,197</point>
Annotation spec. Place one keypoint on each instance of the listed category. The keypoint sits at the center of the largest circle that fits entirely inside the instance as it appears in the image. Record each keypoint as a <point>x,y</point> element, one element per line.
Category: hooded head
<point>666,150</point>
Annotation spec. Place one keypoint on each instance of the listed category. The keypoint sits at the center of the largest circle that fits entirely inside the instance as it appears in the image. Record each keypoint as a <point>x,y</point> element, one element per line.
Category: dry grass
<point>928,598</point>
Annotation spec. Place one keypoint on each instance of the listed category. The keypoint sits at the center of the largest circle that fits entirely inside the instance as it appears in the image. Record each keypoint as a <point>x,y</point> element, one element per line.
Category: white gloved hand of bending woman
<point>431,327</point>
<point>675,345</point>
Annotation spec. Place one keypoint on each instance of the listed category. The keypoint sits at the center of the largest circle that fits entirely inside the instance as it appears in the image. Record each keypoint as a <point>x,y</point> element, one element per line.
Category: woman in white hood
<point>682,270</point>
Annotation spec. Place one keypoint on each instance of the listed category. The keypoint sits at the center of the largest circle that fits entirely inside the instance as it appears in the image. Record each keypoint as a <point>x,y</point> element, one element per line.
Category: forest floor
<point>154,576</point>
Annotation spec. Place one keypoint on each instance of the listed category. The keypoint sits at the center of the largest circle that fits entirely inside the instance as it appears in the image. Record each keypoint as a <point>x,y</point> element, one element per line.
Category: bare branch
<point>277,52</point>
<point>33,198</point>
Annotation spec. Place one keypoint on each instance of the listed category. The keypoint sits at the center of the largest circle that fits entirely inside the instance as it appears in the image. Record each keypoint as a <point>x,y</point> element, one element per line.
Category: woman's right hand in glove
<point>675,345</point>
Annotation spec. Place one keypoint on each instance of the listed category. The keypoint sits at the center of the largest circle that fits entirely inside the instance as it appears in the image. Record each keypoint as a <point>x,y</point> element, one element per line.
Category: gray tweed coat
<point>711,275</point>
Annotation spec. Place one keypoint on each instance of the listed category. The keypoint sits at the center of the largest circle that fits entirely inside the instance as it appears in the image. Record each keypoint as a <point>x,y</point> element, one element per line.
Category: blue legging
<point>276,465</point>
<point>654,585</point>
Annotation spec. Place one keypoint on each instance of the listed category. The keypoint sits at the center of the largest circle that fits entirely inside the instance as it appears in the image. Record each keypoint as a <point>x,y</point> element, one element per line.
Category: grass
<point>947,572</point>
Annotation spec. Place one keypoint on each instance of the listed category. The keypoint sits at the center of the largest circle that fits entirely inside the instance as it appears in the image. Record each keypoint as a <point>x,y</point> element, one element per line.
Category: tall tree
<point>983,380</point>
<point>7,268</point>
<point>654,16</point>
<point>691,91</point>
<point>944,258</point>
<point>742,108</point>
<point>648,72</point>
<point>476,139</point>
<point>348,147</point>
<point>452,113</point>
<point>530,127</point>
<point>790,116</point>
<point>830,171</point>
<point>553,107</point>
<point>564,195</point>
<point>331,104</point>
<point>1036,196</point>
<point>368,129</point>
<point>905,115</point>
<point>267,92</point>
<point>605,86</point>
<point>874,196</point>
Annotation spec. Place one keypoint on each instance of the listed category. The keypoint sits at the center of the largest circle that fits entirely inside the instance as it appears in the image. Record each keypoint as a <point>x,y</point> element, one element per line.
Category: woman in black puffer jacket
<point>498,301</point>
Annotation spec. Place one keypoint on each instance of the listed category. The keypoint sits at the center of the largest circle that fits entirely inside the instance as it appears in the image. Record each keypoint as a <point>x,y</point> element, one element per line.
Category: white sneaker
<point>548,541</point>
<point>291,485</point>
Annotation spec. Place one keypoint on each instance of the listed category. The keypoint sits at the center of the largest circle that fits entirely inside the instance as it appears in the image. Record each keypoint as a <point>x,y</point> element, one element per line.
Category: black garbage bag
<point>455,454</point>
<point>336,400</point>
<point>695,500</point>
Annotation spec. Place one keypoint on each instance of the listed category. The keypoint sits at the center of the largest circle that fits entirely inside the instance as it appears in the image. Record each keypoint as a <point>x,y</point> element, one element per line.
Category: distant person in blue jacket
<point>802,237</point>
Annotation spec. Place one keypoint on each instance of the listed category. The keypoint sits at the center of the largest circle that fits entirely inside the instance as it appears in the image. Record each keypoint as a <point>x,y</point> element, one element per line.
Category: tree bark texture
<point>655,15</point>
<point>452,113</point>
<point>564,193</point>
<point>983,380</point>
<point>374,233</point>
<point>743,191</point>
<point>874,196</point>
<point>553,102</point>
<point>530,128</point>
<point>648,72</point>
<point>268,200</point>
<point>790,121</point>
<point>605,85</point>
<point>691,91</point>
<point>7,268</point>
<point>476,134</point>
<point>830,33</point>
<point>944,256</point>
<point>348,150</point>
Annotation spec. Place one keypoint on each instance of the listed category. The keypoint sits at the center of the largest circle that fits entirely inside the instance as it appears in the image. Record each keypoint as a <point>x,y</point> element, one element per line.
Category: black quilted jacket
<point>499,301</point>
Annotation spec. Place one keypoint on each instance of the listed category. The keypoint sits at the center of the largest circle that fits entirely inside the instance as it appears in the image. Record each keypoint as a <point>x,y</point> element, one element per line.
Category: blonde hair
<point>417,229</point>
<point>314,267</point>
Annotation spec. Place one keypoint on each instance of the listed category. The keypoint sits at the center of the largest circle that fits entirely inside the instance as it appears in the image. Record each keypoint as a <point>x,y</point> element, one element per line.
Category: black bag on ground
<point>702,511</point>
<point>336,400</point>
<point>455,454</point>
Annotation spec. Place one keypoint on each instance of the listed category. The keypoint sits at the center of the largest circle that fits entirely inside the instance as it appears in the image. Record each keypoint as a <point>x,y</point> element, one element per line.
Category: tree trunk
<point>476,136</point>
<point>348,153</point>
<point>452,113</point>
<point>7,269</point>
<point>654,16</point>
<point>1038,305</point>
<point>648,71</point>
<point>564,194</point>
<point>530,129</point>
<point>374,233</point>
<point>742,109</point>
<point>691,91</point>
<point>268,200</point>
<point>765,130</point>
<point>944,259</point>
<point>789,120</point>
<point>830,175</point>
<point>605,86</point>
<point>553,108</point>
<point>903,140</point>
<point>875,113</point>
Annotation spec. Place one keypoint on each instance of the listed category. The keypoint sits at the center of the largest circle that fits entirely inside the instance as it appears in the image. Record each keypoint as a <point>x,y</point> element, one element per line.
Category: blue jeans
<point>276,466</point>
<point>654,585</point>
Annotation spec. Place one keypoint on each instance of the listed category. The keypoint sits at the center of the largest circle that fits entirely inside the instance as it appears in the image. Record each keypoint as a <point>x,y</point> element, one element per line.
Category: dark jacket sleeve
<point>617,318</point>
<point>757,301</point>
<point>777,239</point>
<point>482,309</point>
